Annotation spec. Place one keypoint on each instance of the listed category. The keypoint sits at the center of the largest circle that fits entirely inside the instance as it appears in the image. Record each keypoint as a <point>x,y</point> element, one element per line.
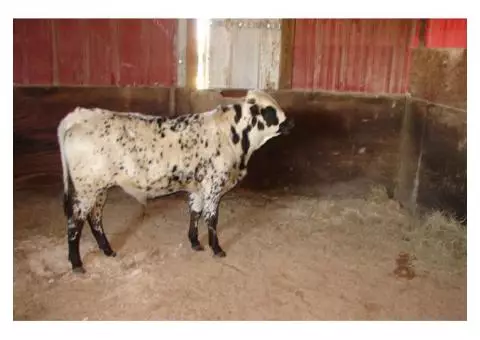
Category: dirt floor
<point>334,257</point>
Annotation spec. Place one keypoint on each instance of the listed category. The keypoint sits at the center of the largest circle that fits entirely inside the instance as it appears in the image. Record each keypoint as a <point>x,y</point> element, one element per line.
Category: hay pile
<point>434,240</point>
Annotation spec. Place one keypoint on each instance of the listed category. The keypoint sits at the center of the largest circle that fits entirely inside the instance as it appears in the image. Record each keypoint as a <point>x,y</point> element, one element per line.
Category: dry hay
<point>434,240</point>
<point>438,239</point>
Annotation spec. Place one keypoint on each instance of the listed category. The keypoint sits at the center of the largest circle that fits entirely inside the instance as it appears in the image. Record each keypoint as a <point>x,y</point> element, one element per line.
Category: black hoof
<point>198,247</point>
<point>110,253</point>
<point>220,253</point>
<point>79,270</point>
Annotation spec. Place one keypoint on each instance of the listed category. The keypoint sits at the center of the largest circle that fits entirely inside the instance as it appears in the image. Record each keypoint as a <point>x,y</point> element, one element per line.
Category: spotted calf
<point>204,154</point>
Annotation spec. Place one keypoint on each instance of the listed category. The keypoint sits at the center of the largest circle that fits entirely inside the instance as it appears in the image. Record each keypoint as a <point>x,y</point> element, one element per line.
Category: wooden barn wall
<point>95,52</point>
<point>364,55</point>
<point>244,53</point>
<point>446,33</point>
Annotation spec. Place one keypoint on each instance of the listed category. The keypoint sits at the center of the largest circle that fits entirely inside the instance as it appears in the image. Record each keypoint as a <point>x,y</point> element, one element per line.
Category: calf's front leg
<point>211,219</point>
<point>195,203</point>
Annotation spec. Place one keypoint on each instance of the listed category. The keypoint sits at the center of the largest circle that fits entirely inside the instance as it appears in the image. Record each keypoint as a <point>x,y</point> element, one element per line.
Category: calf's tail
<point>68,188</point>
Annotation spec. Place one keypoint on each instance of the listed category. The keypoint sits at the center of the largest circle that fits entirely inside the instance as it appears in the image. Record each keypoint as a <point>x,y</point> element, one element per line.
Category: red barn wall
<point>95,52</point>
<point>361,55</point>
<point>446,33</point>
<point>443,33</point>
<point>365,55</point>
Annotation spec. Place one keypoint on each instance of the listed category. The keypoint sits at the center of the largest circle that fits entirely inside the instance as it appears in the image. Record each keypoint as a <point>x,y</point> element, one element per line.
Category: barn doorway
<point>238,53</point>
<point>203,48</point>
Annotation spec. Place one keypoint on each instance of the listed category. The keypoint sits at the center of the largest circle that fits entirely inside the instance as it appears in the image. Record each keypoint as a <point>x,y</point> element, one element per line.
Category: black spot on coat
<point>235,136</point>
<point>242,163</point>
<point>238,112</point>
<point>245,140</point>
<point>254,110</point>
<point>270,116</point>
<point>160,120</point>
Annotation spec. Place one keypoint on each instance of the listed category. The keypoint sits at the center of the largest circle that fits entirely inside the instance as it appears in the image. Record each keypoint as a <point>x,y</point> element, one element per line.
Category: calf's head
<point>259,118</point>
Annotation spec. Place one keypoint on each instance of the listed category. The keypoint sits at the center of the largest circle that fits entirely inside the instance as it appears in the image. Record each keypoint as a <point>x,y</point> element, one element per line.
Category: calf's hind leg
<point>96,224</point>
<point>74,232</point>
<point>76,211</point>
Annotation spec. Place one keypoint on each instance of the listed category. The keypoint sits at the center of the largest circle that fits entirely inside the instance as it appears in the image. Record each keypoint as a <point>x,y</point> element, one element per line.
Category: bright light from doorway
<point>203,45</point>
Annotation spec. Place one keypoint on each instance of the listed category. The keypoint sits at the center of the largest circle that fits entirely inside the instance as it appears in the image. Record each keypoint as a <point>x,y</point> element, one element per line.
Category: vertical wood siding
<point>32,52</point>
<point>361,55</point>
<point>95,52</point>
<point>446,33</point>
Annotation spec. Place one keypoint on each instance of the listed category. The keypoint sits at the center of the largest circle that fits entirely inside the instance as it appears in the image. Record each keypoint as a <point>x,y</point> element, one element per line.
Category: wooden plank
<point>33,52</point>
<point>39,52</point>
<point>192,61</point>
<point>412,29</point>
<point>162,60</point>
<point>327,47</point>
<point>132,50</point>
<point>446,33</point>
<point>422,33</point>
<point>53,29</point>
<point>348,55</point>
<point>116,51</point>
<point>72,51</point>
<point>20,75</point>
<point>298,74</point>
<point>101,52</point>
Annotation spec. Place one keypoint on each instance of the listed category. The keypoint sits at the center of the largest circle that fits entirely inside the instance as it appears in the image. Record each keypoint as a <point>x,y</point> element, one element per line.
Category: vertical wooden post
<point>286,54</point>
<point>422,34</point>
<point>192,59</point>
<point>181,62</point>
<point>54,53</point>
<point>114,27</point>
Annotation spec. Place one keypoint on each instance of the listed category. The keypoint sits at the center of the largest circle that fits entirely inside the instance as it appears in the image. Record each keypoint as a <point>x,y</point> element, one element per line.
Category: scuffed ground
<point>288,258</point>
